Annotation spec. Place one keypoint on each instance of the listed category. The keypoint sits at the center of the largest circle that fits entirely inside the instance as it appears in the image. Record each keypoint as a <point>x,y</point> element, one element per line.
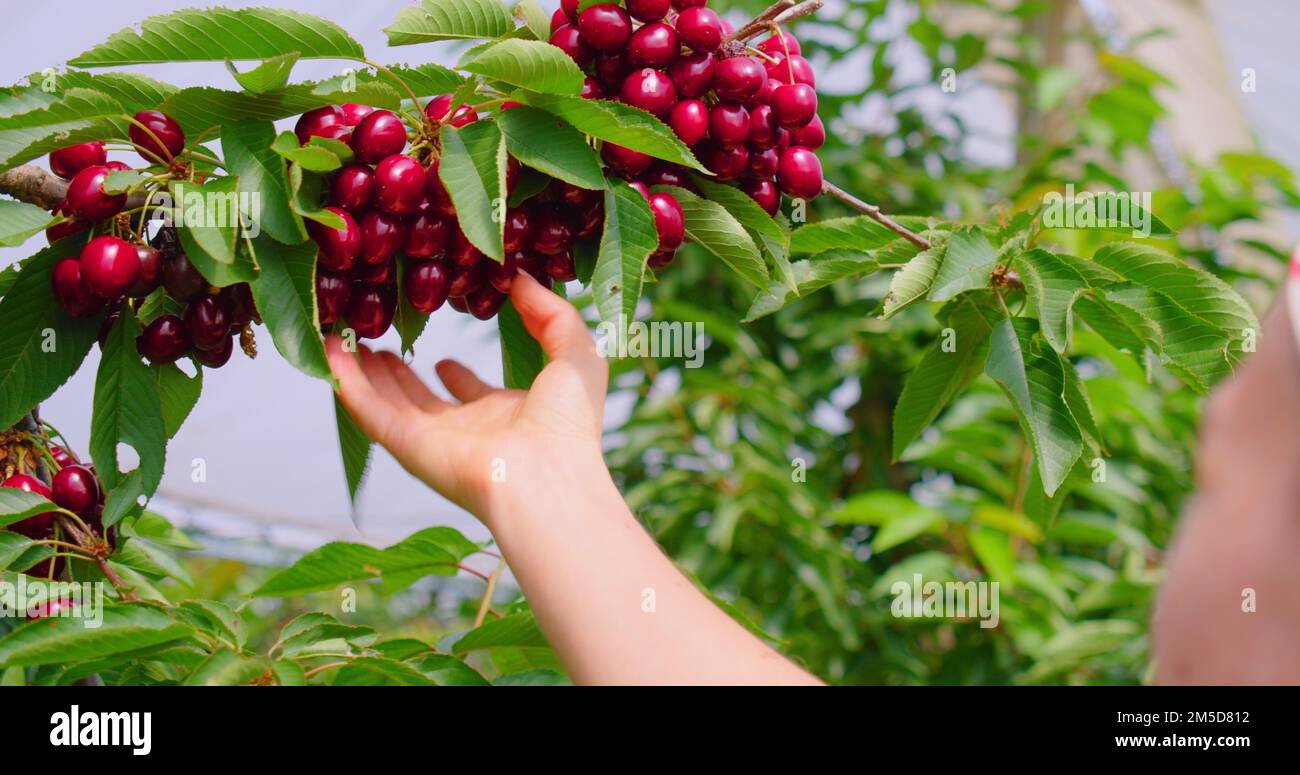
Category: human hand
<point>454,447</point>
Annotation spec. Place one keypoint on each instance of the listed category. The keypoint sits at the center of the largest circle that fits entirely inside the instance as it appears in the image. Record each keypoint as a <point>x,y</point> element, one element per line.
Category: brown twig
<point>875,213</point>
<point>781,12</point>
<point>40,187</point>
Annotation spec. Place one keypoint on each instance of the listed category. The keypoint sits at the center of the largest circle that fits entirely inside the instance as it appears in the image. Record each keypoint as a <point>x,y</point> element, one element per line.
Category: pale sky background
<point>267,432</point>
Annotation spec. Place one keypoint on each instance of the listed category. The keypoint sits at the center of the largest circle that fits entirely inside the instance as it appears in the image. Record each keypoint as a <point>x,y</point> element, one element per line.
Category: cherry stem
<point>875,213</point>
<point>473,572</point>
<point>121,586</point>
<point>322,668</point>
<point>147,153</point>
<point>486,604</point>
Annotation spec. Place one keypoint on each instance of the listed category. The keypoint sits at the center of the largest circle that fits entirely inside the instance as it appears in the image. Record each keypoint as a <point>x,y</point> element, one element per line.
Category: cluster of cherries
<point>111,270</point>
<point>748,118</point>
<point>73,487</point>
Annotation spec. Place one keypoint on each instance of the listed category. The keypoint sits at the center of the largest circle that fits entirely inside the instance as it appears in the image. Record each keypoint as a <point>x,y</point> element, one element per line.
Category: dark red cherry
<point>785,43</point>
<point>206,322</point>
<point>217,356</point>
<point>163,340</point>
<point>763,129</point>
<point>399,184</point>
<point>382,235</point>
<point>180,277</point>
<point>669,220</point>
<point>62,456</point>
<point>764,192</point>
<point>764,95</point>
<point>378,274</point>
<point>794,105</point>
<point>693,73</point>
<point>591,220</point>
<point>458,303</point>
<point>641,189</point>
<point>655,45</point>
<point>86,197</point>
<point>426,285</point>
<point>728,163</point>
<point>502,276</point>
<point>332,291</point>
<point>570,8</point>
<point>150,272</point>
<point>512,173</point>
<point>682,5</point>
<point>461,251</point>
<point>60,230</point>
<point>812,136</point>
<point>647,10</point>
<point>40,526</point>
<point>591,89</point>
<point>699,29</point>
<point>650,90</point>
<point>611,68</point>
<point>661,258</point>
<point>518,230</point>
<point>560,266</point>
<point>690,120</point>
<point>67,162</point>
<point>426,235</point>
<point>664,175</point>
<point>436,192</point>
<point>569,40</point>
<point>109,266</point>
<point>379,135</point>
<point>783,68</point>
<point>163,129</point>
<point>440,106</point>
<point>764,163</point>
<point>559,19</point>
<point>370,310</point>
<point>625,160</point>
<point>606,26</point>
<point>800,173</point>
<point>71,293</point>
<point>106,326</point>
<point>464,280</point>
<point>75,489</point>
<point>535,265</point>
<point>354,187</point>
<point>340,132</point>
<point>117,166</point>
<point>339,248</point>
<point>552,234</point>
<point>485,302</point>
<point>739,78</point>
<point>313,123</point>
<point>238,302</point>
<point>354,112</point>
<point>729,123</point>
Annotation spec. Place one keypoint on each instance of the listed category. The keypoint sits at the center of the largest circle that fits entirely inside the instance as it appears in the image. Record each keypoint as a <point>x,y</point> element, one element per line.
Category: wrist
<point>536,484</point>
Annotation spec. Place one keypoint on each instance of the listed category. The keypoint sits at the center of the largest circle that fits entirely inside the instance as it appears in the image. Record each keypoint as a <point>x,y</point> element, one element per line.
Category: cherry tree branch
<point>875,213</point>
<point>33,185</point>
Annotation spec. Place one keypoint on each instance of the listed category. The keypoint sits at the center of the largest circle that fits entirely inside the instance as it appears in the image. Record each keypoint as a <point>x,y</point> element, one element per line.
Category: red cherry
<point>574,195</point>
<point>570,8</point>
<point>150,272</point>
<point>426,235</point>
<point>426,285</point>
<point>440,106</point>
<point>764,95</point>
<point>162,127</point>
<point>72,294</point>
<point>40,526</point>
<point>591,220</point>
<point>332,292</point>
<point>518,230</point>
<point>739,78</point>
<point>313,123</point>
<point>661,258</point>
<point>485,302</point>
<point>647,10</point>
<point>379,135</point>
<point>467,279</point>
<point>666,176</point>
<point>50,608</point>
<point>764,132</point>
<point>552,234</point>
<point>512,173</point>
<point>650,90</point>
<point>690,120</point>
<point>693,73</point>
<point>669,220</point>
<point>682,5</point>
<point>181,278</point>
<point>625,160</point>
<point>340,132</point>
<point>780,70</point>
<point>655,45</point>
<point>382,234</point>
<point>60,230</point>
<point>812,136</point>
<point>611,69</point>
<point>458,303</point>
<point>217,356</point>
<point>560,266</point>
<point>729,123</point>
<point>206,322</point>
<point>354,112</point>
<point>238,302</point>
<point>700,29</point>
<point>559,19</point>
<point>773,44</point>
<point>591,89</point>
<point>436,192</point>
<point>353,187</point>
<point>728,163</point>
<point>606,26</point>
<point>67,162</point>
<point>86,197</point>
<point>117,166</point>
<point>461,251</point>
<point>75,489</point>
<point>109,266</point>
<point>62,456</point>
<point>502,276</point>
<point>379,274</point>
<point>370,310</point>
<point>794,105</point>
<point>800,173</point>
<point>641,189</point>
<point>399,184</point>
<point>535,265</point>
<point>764,163</point>
<point>339,248</point>
<point>763,191</point>
<point>569,40</point>
<point>163,340</point>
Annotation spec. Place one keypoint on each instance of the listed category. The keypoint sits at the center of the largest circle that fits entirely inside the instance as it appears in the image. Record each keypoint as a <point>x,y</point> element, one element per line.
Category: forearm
<point>609,600</point>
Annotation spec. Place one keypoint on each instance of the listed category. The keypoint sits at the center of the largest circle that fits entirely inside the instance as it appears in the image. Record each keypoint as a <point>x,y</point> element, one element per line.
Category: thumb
<point>552,321</point>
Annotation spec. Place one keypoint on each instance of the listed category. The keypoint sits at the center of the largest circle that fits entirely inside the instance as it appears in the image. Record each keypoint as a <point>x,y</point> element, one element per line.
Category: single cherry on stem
<point>399,184</point>
<point>353,187</point>
<point>729,124</point>
<point>86,198</point>
<point>800,173</point>
<point>206,322</point>
<point>237,300</point>
<point>332,292</point>
<point>794,105</point>
<point>163,340</point>
<point>569,40</point>
<point>764,132</point>
<point>379,135</point>
<point>40,526</point>
<point>217,356</point>
<point>440,106</point>
<point>739,78</point>
<point>650,90</point>
<point>370,310</point>
<point>518,230</point>
<point>605,26</point>
<point>314,123</point>
<point>693,73</point>
<point>426,285</point>
<point>150,272</point>
<point>180,277</point>
<point>812,136</point>
<point>764,163</point>
<point>426,235</point>
<point>780,44</point>
<point>625,160</point>
<point>610,70</point>
<point>485,302</point>
<point>382,235</point>
<point>669,220</point>
<point>109,266</point>
<point>354,112</point>
<point>764,192</point>
<point>699,29</point>
<point>655,45</point>
<point>68,161</point>
<point>553,234</point>
<point>76,489</point>
<point>164,138</point>
<point>71,293</point>
<point>339,248</point>
<point>690,120</point>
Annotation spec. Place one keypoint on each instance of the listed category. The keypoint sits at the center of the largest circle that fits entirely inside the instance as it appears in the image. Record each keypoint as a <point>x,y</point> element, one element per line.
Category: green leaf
<point>744,209</point>
<point>860,233</point>
<point>967,264</point>
<point>216,618</point>
<point>177,393</point>
<point>128,409</point>
<point>141,555</point>
<point>123,499</point>
<point>123,181</point>
<point>19,221</point>
<point>1199,353</point>
<point>537,20</point>
<point>200,108</point>
<point>628,239</point>
<point>447,670</point>
<point>41,346</point>
<point>228,668</point>
<point>17,505</point>
<point>541,141</point>
<point>208,225</point>
<point>272,74</point>
<point>288,673</point>
<point>1031,376</point>
<point>305,198</point>
<point>1076,398</point>
<point>125,627</point>
<point>905,524</point>
<point>375,671</point>
<point>811,275</point>
<point>246,146</point>
<point>948,365</point>
<point>314,632</point>
<point>709,225</point>
<point>913,281</point>
<point>217,34</point>
<point>354,446</point>
<point>616,123</point>
<point>473,168</point>
<point>133,91</point>
<point>532,64</point>
<point>285,294</point>
<point>313,156</point>
<point>408,321</point>
<point>514,630</point>
<point>522,358</point>
<point>1053,284</point>
<point>78,116</point>
<point>449,20</point>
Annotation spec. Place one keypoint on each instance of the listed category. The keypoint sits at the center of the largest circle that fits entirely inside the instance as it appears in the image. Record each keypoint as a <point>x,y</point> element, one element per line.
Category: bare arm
<point>529,465</point>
